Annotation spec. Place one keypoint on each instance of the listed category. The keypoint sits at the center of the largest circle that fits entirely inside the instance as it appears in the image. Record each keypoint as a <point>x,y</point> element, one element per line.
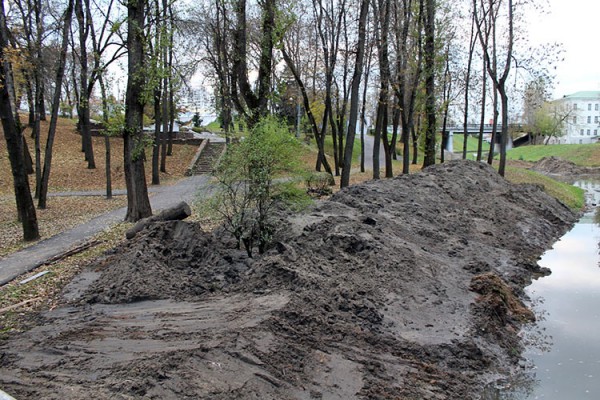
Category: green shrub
<point>318,184</point>
<point>247,192</point>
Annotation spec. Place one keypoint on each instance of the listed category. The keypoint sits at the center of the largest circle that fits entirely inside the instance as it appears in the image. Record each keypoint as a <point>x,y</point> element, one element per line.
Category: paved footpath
<point>35,255</point>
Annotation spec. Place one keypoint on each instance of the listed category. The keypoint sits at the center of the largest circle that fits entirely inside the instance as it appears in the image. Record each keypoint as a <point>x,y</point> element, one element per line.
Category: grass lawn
<point>572,196</point>
<point>587,155</point>
<point>457,143</point>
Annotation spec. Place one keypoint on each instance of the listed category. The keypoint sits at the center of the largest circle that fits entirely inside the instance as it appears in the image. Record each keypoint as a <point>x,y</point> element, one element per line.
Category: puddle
<point>565,355</point>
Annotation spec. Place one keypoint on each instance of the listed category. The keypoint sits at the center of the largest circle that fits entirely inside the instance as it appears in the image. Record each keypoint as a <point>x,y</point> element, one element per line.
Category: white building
<point>583,121</point>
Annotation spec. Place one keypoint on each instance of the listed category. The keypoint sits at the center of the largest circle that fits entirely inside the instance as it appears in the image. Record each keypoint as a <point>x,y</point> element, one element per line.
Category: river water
<point>564,353</point>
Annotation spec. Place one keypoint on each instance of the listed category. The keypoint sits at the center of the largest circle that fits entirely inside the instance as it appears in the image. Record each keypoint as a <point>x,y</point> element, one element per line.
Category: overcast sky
<point>574,23</point>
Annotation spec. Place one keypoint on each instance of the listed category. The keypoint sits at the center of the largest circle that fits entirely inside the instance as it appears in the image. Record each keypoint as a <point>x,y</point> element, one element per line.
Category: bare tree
<point>429,69</point>
<point>382,13</point>
<point>409,57</point>
<point>467,86</point>
<point>83,105</point>
<point>14,142</point>
<point>60,73</point>
<point>138,203</point>
<point>358,69</point>
<point>492,11</point>
<point>250,103</point>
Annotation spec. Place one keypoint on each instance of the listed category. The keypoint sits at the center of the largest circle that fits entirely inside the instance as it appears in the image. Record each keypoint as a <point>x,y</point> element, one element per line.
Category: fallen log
<point>179,212</point>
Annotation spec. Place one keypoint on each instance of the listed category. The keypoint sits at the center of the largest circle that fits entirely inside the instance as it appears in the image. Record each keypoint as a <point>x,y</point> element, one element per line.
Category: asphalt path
<point>369,145</point>
<point>162,197</point>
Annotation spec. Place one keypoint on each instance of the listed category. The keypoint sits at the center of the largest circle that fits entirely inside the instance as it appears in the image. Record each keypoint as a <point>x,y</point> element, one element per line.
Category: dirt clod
<point>385,291</point>
<point>558,166</point>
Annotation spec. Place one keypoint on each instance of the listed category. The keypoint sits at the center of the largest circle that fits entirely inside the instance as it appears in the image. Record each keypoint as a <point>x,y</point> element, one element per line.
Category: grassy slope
<point>457,143</point>
<point>581,154</point>
<point>570,195</point>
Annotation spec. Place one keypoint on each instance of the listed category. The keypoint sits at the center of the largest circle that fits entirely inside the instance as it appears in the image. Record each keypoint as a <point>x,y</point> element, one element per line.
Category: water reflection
<point>568,301</point>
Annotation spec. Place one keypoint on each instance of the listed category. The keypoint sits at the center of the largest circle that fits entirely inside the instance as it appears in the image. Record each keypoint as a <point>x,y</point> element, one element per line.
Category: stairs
<point>209,158</point>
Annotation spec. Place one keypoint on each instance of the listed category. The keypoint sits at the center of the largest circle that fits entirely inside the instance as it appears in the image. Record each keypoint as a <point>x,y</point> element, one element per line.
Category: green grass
<point>457,143</point>
<point>572,196</point>
<point>587,155</point>
<point>329,148</point>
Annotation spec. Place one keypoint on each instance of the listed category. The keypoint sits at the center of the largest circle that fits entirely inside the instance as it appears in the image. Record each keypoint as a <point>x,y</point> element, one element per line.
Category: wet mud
<point>409,288</point>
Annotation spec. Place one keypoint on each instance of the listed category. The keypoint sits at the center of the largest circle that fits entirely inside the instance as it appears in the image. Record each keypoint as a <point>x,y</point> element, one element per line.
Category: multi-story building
<point>582,118</point>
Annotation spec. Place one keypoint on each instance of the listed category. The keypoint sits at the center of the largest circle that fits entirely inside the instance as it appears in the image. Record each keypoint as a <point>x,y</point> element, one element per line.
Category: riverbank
<point>403,288</point>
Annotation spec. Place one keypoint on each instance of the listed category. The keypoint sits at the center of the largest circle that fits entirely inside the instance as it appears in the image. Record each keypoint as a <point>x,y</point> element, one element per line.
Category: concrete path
<point>35,255</point>
<point>369,145</point>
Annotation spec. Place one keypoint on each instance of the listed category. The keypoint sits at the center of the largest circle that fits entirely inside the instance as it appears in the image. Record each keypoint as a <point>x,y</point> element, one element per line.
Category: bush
<point>247,192</point>
<point>318,184</point>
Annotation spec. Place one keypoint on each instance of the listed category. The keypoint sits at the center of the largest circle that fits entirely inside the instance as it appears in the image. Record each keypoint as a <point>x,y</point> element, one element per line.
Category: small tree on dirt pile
<point>247,192</point>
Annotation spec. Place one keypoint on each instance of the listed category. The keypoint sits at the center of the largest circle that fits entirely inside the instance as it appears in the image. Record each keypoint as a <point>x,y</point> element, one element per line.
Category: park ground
<point>276,289</point>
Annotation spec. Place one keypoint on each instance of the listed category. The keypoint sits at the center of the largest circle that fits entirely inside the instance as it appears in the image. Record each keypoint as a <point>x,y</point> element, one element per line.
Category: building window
<point>595,132</point>
<point>589,120</point>
<point>596,119</point>
<point>596,106</point>
<point>574,120</point>
<point>588,132</point>
<point>581,132</point>
<point>589,106</point>
<point>580,141</point>
<point>575,106</point>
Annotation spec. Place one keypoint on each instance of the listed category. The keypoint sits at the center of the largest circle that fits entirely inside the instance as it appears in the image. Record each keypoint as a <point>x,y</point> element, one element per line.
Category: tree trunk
<point>84,94</point>
<point>429,82</point>
<point>60,73</point>
<point>354,98</point>
<point>14,144</point>
<point>482,120</point>
<point>138,203</point>
<point>105,113</point>
<point>256,103</point>
<point>167,29</point>
<point>472,41</point>
<point>382,16</point>
<point>156,142</point>
<point>504,132</point>
<point>415,140</point>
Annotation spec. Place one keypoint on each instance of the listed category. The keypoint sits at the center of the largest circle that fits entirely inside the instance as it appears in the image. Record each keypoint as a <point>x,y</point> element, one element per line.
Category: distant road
<point>369,145</point>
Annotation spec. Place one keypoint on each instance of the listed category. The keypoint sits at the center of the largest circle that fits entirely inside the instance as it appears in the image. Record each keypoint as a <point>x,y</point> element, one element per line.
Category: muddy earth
<point>564,168</point>
<point>407,288</point>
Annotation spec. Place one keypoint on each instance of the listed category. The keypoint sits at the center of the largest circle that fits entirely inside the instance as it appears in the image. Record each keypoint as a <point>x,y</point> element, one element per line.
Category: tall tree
<point>138,203</point>
<point>250,103</point>
<point>330,23</point>
<point>382,13</point>
<point>355,94</point>
<point>60,73</point>
<point>83,106</point>
<point>430,109</point>
<point>14,142</point>
<point>319,45</point>
<point>467,86</point>
<point>409,60</point>
<point>492,10</point>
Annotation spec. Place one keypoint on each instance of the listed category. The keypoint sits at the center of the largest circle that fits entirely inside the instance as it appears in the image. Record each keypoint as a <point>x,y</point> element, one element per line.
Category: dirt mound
<point>558,166</point>
<point>173,259</point>
<point>371,294</point>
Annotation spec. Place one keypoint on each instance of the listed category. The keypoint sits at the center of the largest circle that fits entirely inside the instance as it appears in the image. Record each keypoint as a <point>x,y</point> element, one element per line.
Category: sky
<point>574,23</point>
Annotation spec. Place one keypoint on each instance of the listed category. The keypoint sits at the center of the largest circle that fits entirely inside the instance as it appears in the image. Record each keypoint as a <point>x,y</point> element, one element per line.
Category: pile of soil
<point>405,288</point>
<point>558,166</point>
